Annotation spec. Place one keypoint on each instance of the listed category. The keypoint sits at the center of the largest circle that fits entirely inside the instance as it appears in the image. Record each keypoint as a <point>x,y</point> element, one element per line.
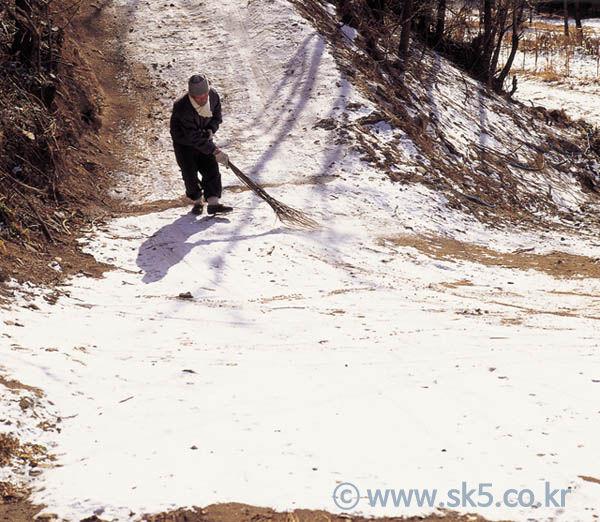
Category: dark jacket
<point>188,128</point>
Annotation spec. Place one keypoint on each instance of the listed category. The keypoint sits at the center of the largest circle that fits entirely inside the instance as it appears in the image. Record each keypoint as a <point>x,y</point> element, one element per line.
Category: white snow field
<point>303,359</point>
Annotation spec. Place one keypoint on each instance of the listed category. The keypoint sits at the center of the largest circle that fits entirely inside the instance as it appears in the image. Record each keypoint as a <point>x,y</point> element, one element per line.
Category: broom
<point>287,215</point>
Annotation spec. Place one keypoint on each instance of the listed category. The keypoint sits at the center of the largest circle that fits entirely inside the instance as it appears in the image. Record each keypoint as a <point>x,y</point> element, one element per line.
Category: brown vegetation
<point>387,26</point>
<point>51,178</point>
<point>492,185</point>
<point>557,264</point>
<point>11,449</point>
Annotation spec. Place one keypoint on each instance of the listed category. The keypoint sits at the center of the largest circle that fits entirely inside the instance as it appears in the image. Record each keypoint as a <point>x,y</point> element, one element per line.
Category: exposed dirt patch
<point>590,479</point>
<point>533,311</point>
<point>14,506</point>
<point>14,386</point>
<point>556,264</point>
<point>14,509</point>
<point>155,206</point>
<point>457,284</point>
<point>23,511</point>
<point>51,179</point>
<point>233,512</point>
<point>14,503</point>
<point>40,224</point>
<point>26,263</point>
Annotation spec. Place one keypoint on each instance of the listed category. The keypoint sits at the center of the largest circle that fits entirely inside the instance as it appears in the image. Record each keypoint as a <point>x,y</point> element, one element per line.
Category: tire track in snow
<point>234,22</point>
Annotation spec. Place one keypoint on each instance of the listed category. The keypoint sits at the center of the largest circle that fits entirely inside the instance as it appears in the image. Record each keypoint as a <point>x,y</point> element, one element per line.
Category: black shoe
<point>218,209</point>
<point>197,209</point>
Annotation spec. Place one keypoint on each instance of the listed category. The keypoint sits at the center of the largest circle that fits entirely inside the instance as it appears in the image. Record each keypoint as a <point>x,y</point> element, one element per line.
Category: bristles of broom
<point>287,215</point>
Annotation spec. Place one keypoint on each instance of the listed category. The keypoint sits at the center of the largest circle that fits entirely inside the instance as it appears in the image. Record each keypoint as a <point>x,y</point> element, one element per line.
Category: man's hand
<point>222,158</point>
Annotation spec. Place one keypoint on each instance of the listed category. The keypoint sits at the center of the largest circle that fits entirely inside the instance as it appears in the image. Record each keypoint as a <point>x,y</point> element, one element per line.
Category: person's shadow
<point>169,244</point>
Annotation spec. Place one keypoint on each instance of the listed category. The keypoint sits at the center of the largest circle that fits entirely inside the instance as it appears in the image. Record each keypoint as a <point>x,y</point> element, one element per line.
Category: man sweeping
<point>195,119</point>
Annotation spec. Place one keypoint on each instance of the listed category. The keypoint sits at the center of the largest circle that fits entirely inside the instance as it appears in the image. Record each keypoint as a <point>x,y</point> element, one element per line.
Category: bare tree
<point>347,15</point>
<point>372,21</point>
<point>441,21</point>
<point>406,22</point>
<point>438,23</point>
<point>517,21</point>
<point>489,35</point>
<point>578,14</point>
<point>376,8</point>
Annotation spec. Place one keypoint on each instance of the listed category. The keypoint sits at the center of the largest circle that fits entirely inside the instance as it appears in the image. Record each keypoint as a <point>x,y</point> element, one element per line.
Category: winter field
<point>233,359</point>
<point>560,72</point>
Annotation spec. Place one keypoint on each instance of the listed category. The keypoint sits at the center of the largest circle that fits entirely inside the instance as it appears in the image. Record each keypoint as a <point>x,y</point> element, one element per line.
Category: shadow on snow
<point>170,244</point>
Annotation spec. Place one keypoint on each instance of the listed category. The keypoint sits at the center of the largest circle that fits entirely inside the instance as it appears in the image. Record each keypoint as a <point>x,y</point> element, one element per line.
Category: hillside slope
<point>53,173</point>
<point>526,163</point>
<point>418,339</point>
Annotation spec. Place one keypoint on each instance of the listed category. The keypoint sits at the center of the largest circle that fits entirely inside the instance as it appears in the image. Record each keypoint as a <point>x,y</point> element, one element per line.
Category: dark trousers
<point>191,162</point>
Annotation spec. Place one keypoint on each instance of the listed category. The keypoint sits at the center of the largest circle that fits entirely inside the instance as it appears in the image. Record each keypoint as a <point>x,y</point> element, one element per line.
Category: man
<point>195,119</point>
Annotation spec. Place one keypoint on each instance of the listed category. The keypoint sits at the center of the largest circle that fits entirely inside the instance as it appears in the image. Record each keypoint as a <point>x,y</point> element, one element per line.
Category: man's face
<point>201,100</point>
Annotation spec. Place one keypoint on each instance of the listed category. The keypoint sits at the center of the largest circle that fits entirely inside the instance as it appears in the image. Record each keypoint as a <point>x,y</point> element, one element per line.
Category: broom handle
<point>258,190</point>
<point>283,212</point>
<point>236,171</point>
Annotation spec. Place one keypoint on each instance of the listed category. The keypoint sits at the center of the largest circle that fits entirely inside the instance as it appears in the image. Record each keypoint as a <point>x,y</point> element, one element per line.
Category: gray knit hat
<point>198,85</point>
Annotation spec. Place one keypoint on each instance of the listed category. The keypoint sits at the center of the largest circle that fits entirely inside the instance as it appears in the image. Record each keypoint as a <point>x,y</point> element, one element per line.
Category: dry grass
<point>556,264</point>
<point>549,74</point>
<point>9,448</point>
<point>30,454</point>
<point>552,51</point>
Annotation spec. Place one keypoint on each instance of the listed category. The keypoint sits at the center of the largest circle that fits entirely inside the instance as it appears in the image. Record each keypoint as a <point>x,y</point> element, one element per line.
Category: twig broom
<point>287,215</point>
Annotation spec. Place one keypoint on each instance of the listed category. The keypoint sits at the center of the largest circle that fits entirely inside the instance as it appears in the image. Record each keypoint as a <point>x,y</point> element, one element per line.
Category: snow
<point>303,359</point>
<point>350,32</point>
<point>573,83</point>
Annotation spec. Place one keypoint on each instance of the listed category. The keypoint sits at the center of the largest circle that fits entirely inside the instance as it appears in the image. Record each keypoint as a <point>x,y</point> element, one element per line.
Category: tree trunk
<point>516,27</point>
<point>578,20</point>
<point>566,10</point>
<point>26,40</point>
<point>424,20</point>
<point>407,13</point>
<point>441,21</point>
<point>376,8</point>
<point>481,13</point>
<point>501,28</point>
<point>346,14</point>
<point>371,27</point>
<point>489,30</point>
<point>496,55</point>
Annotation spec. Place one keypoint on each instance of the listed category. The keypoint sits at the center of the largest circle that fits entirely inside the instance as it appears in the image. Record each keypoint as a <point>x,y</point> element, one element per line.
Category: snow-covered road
<point>303,359</point>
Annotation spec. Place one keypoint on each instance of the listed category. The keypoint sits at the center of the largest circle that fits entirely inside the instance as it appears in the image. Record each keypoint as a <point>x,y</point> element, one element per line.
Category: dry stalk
<point>286,214</point>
